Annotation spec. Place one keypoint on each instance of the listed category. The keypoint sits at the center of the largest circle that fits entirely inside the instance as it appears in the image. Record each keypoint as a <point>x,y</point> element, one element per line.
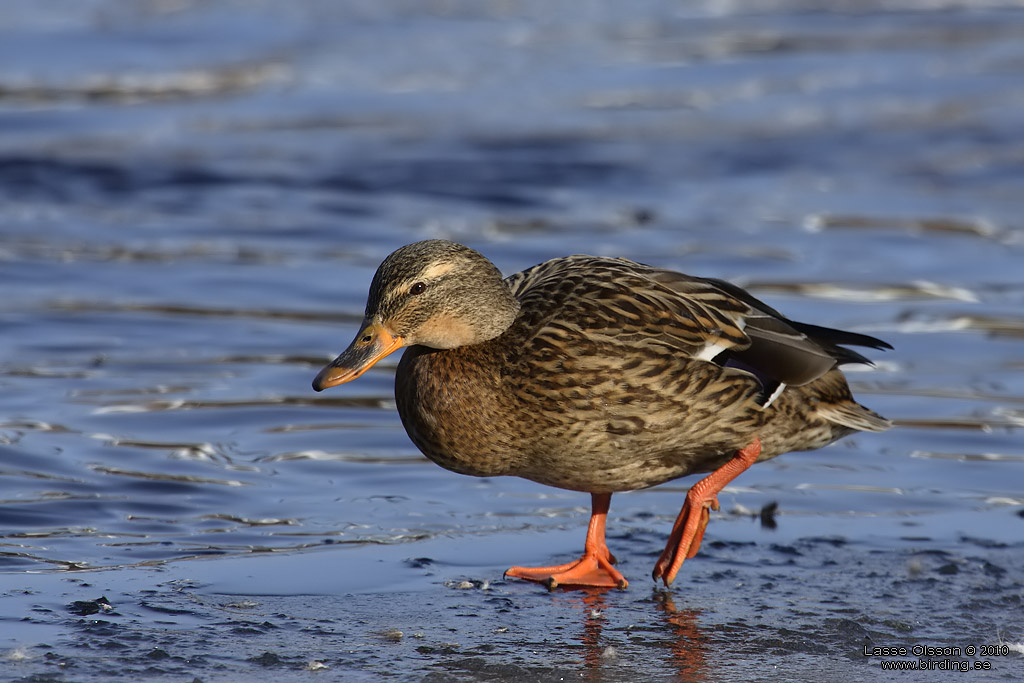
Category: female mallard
<point>599,375</point>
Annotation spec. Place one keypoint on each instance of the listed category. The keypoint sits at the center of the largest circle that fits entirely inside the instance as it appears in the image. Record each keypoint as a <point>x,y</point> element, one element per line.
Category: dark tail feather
<point>831,339</point>
<point>840,336</point>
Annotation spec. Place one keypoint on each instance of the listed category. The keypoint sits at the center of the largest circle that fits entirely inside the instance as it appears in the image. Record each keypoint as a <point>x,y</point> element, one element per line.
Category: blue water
<point>194,197</point>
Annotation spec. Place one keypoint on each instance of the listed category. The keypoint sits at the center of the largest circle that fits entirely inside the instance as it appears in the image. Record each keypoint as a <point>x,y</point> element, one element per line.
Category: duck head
<point>434,293</point>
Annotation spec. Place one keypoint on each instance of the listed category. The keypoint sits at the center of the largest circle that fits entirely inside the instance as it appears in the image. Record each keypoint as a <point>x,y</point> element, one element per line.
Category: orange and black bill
<point>369,346</point>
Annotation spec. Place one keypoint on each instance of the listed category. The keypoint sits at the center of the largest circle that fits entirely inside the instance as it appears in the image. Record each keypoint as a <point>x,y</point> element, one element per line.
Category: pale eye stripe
<point>436,270</point>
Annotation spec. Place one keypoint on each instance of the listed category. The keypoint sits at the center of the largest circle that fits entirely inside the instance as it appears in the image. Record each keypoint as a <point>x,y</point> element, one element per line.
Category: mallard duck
<point>599,375</point>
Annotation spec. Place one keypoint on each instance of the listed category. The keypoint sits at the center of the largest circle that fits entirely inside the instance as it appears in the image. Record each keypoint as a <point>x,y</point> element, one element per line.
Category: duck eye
<point>417,288</point>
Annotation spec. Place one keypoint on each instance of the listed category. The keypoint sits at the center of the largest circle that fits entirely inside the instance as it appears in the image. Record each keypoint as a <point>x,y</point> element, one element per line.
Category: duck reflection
<point>688,645</point>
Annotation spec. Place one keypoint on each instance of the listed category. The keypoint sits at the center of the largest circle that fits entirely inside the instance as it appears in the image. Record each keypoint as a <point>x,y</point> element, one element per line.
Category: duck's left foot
<point>591,570</point>
<point>594,569</point>
<point>688,531</point>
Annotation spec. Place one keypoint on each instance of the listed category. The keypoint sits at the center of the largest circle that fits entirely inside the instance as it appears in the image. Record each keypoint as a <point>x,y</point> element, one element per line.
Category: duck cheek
<point>446,331</point>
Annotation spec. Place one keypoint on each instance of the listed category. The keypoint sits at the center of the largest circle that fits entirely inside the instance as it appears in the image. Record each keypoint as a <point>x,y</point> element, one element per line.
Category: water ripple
<point>124,88</point>
<point>870,292</point>
<point>188,404</point>
<point>165,476</point>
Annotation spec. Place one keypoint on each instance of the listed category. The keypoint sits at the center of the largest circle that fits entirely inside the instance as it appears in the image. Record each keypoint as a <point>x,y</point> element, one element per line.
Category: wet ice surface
<point>192,208</point>
<point>791,608</point>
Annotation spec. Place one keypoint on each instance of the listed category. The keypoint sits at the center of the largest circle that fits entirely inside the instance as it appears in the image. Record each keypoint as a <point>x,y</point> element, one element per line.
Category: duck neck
<point>494,308</point>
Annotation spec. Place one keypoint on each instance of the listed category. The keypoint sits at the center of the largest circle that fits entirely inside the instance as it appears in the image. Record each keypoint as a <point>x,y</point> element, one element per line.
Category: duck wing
<point>625,302</point>
<point>622,303</point>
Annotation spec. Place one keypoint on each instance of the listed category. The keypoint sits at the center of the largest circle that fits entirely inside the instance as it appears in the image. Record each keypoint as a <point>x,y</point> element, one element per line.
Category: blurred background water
<point>194,195</point>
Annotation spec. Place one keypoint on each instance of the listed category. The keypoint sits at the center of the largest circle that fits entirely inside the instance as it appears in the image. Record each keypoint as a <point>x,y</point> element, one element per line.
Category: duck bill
<point>369,346</point>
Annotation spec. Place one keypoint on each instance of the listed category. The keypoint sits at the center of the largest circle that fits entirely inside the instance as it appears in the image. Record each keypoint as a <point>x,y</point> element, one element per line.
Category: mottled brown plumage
<point>598,375</point>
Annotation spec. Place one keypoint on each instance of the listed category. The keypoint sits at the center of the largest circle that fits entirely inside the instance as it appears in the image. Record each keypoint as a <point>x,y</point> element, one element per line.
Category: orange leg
<point>594,568</point>
<point>688,531</point>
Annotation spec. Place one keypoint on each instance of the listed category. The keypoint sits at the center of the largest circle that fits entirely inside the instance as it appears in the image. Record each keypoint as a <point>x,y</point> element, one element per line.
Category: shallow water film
<point>194,197</point>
